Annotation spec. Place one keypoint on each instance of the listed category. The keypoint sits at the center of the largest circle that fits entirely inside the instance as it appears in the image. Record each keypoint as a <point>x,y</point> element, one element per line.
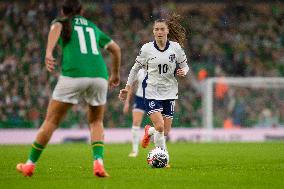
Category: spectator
<point>240,39</point>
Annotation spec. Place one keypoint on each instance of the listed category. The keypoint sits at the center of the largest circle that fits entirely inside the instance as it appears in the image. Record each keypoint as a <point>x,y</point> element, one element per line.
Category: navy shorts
<point>166,107</point>
<point>139,104</point>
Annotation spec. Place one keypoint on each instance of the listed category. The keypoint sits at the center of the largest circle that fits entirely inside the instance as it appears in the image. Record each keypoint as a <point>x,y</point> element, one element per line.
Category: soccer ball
<point>158,158</point>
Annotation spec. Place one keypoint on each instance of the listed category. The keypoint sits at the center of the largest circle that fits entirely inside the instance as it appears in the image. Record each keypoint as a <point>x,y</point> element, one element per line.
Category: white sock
<point>101,161</point>
<point>165,137</point>
<point>159,140</point>
<point>29,162</point>
<point>151,130</point>
<point>135,138</point>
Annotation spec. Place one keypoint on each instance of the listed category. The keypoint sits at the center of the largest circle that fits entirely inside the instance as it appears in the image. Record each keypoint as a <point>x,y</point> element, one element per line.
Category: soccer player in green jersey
<point>84,75</point>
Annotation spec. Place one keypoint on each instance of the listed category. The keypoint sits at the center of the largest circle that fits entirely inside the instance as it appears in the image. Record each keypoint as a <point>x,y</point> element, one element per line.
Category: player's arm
<point>115,52</point>
<point>182,63</point>
<point>131,78</point>
<point>53,36</point>
<point>183,69</point>
<point>129,97</point>
<point>140,62</point>
<point>113,48</point>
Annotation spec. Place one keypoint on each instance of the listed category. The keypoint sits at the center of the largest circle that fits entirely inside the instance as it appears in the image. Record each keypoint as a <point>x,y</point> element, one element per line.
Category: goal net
<point>234,102</point>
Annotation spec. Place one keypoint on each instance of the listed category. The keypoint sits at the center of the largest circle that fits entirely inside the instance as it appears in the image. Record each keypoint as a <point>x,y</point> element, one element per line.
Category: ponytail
<point>70,8</point>
<point>66,30</point>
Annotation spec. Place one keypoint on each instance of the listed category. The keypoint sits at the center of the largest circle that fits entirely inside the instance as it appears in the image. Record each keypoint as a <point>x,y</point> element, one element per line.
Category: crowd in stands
<point>236,39</point>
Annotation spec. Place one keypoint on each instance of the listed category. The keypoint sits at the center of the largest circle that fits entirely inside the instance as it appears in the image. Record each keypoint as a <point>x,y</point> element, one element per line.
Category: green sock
<point>98,150</point>
<point>35,152</point>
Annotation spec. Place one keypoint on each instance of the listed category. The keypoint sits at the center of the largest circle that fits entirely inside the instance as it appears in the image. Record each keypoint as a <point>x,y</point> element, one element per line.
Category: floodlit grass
<point>205,165</point>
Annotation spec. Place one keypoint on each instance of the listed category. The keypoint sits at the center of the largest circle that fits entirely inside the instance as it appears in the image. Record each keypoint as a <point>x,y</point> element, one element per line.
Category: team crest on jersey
<point>172,58</point>
<point>152,104</point>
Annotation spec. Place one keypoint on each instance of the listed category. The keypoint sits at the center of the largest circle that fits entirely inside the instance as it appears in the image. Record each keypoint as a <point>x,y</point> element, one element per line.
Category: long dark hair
<point>176,31</point>
<point>69,8</point>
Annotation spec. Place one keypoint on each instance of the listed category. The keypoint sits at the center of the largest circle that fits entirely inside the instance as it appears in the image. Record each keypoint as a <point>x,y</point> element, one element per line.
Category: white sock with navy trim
<point>159,140</point>
<point>135,130</point>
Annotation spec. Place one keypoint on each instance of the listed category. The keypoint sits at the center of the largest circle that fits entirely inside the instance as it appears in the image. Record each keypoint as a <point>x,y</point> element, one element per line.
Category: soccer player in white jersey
<point>163,59</point>
<point>138,110</point>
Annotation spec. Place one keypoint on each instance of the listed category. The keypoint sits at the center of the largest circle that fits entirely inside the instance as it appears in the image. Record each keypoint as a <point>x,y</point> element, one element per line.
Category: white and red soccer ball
<point>158,158</point>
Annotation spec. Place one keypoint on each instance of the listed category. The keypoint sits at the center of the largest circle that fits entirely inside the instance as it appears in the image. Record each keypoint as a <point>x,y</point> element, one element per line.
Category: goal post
<point>260,99</point>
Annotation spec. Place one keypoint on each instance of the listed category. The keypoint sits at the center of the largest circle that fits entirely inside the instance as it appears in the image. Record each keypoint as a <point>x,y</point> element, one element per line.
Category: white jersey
<point>160,66</point>
<point>140,77</point>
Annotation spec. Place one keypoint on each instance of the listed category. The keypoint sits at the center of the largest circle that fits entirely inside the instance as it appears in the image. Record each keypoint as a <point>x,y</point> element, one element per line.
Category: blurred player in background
<point>138,110</point>
<point>84,75</point>
<point>163,59</point>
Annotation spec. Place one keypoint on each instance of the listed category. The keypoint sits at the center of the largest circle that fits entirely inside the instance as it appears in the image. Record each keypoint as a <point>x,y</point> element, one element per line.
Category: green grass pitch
<point>201,165</point>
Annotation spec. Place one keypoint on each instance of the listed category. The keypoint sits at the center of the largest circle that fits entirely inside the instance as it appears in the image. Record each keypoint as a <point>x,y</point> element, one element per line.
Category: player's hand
<point>50,63</point>
<point>126,107</point>
<point>122,94</point>
<point>114,81</point>
<point>180,72</point>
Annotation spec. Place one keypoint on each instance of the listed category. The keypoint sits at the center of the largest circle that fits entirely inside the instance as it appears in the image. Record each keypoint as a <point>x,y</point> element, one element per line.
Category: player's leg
<point>167,125</point>
<point>153,109</point>
<point>95,96</point>
<point>95,118</point>
<point>66,93</point>
<point>168,113</point>
<point>137,117</point>
<point>55,113</point>
<point>167,128</point>
<point>158,122</point>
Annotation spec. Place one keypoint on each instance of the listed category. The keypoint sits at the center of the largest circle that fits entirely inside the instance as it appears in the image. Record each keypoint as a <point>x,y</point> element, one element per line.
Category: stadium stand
<point>236,39</point>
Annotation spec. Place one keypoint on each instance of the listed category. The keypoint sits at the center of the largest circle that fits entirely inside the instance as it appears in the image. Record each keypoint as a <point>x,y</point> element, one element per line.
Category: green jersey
<point>82,55</point>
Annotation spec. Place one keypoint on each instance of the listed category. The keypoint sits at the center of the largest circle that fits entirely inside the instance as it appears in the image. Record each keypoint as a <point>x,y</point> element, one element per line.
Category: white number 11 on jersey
<point>82,40</point>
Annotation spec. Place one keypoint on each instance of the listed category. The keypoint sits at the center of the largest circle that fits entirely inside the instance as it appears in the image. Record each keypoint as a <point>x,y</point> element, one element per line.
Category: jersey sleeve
<point>141,59</point>
<point>104,39</point>
<point>140,62</point>
<point>60,20</point>
<point>181,56</point>
<point>181,59</point>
